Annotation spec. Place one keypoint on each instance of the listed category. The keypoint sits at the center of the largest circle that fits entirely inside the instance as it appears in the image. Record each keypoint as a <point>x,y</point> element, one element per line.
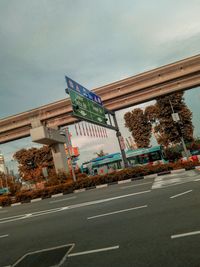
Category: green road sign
<point>87,109</point>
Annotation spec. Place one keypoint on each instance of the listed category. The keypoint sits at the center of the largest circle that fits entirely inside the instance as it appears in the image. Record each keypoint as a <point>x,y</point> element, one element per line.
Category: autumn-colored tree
<point>166,127</point>
<point>7,180</point>
<point>139,126</point>
<point>31,161</point>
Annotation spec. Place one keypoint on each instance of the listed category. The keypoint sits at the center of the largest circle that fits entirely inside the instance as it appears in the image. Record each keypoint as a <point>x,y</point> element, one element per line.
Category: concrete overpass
<point>178,76</point>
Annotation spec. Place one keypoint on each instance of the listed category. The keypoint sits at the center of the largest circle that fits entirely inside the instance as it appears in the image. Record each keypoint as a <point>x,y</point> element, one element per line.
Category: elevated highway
<point>178,76</point>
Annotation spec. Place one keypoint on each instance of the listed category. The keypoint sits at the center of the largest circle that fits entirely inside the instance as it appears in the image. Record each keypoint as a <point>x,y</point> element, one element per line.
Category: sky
<point>95,42</point>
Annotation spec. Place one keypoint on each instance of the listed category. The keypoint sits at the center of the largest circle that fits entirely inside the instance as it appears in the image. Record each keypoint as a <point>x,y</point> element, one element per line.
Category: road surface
<point>150,222</point>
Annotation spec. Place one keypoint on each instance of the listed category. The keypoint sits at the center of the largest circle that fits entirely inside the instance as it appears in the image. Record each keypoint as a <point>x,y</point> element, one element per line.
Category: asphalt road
<point>150,222</point>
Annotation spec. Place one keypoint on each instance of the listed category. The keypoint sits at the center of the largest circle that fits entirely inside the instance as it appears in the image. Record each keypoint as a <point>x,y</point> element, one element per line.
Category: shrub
<point>84,181</point>
<point>5,200</point>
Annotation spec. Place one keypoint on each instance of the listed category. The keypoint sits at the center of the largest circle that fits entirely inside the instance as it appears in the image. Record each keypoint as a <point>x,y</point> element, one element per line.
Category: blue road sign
<point>71,84</point>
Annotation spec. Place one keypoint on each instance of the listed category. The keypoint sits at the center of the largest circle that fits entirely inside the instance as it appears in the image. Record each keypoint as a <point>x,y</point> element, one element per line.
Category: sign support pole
<point>119,136</point>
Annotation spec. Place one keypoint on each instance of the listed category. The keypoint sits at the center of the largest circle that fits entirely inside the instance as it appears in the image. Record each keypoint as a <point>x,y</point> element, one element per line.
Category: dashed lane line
<point>116,212</point>
<point>84,204</point>
<point>3,236</point>
<point>93,251</point>
<point>178,195</point>
<point>185,234</point>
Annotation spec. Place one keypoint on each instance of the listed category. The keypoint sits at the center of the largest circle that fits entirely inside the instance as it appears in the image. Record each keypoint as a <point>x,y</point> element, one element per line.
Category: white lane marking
<point>25,216</point>
<point>93,251</point>
<point>178,195</point>
<point>185,234</point>
<point>44,212</point>
<point>135,185</point>
<point>3,236</point>
<point>115,212</point>
<point>106,200</point>
<point>60,200</point>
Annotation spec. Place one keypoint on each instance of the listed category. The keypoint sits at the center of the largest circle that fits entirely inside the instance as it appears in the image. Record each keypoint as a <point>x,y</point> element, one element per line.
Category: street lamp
<point>176,119</point>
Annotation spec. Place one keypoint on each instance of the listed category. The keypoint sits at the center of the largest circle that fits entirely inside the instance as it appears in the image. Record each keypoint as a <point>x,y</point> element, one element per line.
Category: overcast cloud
<point>93,41</point>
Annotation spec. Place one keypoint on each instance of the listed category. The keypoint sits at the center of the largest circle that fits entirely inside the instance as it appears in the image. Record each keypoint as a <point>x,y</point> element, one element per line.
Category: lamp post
<point>176,119</point>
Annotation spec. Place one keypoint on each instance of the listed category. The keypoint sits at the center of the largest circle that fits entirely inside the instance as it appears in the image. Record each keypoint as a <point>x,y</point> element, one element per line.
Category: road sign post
<point>119,136</point>
<point>88,106</point>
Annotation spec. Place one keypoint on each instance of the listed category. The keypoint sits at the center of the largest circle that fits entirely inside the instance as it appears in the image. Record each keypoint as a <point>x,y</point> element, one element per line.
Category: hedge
<point>92,181</point>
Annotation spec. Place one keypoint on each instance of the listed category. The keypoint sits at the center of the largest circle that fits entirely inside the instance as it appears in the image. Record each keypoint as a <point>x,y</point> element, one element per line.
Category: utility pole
<point>119,137</point>
<point>69,144</point>
<point>176,119</point>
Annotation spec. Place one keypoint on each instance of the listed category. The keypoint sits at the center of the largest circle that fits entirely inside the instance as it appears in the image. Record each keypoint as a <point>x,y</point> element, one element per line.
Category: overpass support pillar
<point>52,137</point>
<point>59,157</point>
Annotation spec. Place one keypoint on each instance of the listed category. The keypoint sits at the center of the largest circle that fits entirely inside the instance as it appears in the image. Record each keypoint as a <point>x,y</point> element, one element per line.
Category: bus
<point>113,162</point>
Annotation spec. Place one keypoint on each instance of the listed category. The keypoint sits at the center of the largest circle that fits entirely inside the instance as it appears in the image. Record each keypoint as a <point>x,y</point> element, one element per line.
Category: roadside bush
<point>26,196</point>
<point>5,201</point>
<point>84,181</point>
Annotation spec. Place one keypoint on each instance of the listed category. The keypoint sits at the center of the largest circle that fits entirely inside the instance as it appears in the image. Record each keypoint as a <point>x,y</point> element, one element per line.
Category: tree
<point>167,127</point>
<point>139,126</point>
<point>7,180</point>
<point>31,161</point>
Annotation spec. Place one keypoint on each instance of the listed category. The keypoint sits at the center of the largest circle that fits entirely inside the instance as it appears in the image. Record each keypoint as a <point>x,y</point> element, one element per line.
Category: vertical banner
<point>76,130</point>
<point>93,130</point>
<point>90,130</point>
<point>106,133</point>
<point>95,127</point>
<point>86,129</point>
<point>101,131</point>
<point>98,131</point>
<point>84,133</point>
<point>79,129</point>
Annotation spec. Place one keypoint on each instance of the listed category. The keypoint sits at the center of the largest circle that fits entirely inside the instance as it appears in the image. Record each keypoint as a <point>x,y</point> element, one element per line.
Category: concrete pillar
<point>48,136</point>
<point>59,157</point>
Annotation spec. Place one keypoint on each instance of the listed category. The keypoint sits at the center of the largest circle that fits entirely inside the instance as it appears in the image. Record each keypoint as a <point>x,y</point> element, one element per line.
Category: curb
<point>105,185</point>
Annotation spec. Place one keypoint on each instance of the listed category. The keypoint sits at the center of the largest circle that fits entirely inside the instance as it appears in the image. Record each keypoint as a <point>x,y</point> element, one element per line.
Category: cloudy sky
<point>94,42</point>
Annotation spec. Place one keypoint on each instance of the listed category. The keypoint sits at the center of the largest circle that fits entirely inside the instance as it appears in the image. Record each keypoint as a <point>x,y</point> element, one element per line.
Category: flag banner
<point>79,129</point>
<point>86,129</point>
<point>106,133</point>
<point>93,130</point>
<point>96,131</point>
<point>101,131</point>
<point>90,131</point>
<point>84,133</point>
<point>76,130</point>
